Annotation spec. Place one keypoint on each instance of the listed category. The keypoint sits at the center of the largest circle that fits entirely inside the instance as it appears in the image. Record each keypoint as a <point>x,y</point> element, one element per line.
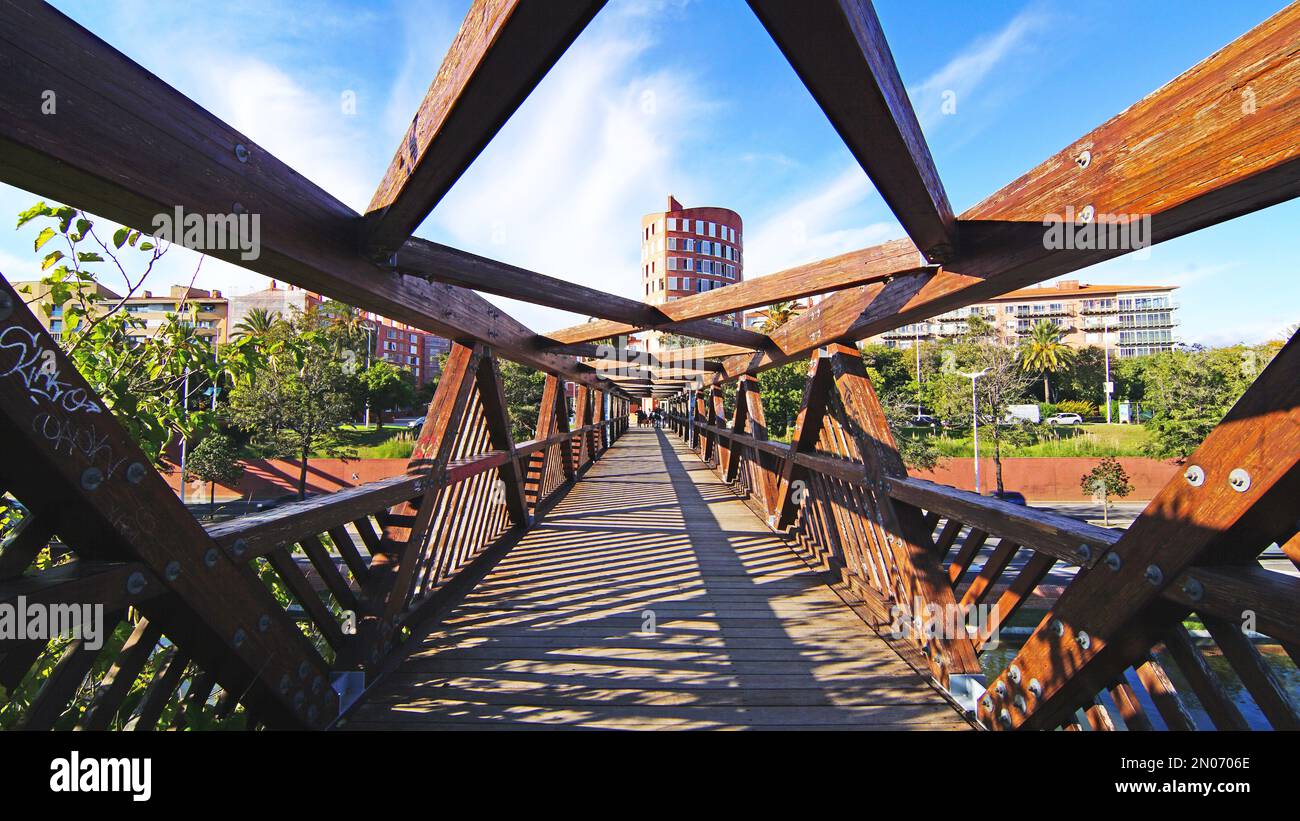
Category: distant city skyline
<point>647,102</point>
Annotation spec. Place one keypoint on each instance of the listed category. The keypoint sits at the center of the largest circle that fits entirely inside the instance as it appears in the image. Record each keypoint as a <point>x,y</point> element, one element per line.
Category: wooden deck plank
<point>745,634</point>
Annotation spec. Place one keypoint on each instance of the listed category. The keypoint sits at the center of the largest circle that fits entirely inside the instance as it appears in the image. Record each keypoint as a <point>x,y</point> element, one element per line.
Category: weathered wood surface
<point>745,634</point>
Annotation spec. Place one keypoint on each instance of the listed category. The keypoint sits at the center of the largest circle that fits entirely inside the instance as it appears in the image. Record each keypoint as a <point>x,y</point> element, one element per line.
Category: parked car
<point>1012,496</point>
<point>924,420</point>
<point>1065,419</point>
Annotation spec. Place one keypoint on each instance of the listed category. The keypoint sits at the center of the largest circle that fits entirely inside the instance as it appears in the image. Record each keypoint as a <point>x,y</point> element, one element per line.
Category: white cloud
<point>966,74</point>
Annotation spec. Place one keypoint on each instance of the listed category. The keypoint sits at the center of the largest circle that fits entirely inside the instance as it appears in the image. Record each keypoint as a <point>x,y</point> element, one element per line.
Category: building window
<point>713,229</point>
<point>699,227</point>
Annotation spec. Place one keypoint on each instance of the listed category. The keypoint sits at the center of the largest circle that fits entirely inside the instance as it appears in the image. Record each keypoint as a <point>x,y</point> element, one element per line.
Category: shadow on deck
<point>652,598</point>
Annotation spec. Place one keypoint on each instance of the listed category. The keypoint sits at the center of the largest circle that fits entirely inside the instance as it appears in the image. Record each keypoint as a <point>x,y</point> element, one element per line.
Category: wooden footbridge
<point>596,576</point>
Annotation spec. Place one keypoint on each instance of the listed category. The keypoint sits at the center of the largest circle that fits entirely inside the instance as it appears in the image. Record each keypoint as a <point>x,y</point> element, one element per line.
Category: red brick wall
<point>268,478</point>
<point>1053,479</point>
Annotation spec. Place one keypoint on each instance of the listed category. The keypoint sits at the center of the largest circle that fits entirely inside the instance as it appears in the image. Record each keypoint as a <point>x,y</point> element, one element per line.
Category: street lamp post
<point>917,326</point>
<point>1107,387</point>
<point>370,328</point>
<point>975,422</point>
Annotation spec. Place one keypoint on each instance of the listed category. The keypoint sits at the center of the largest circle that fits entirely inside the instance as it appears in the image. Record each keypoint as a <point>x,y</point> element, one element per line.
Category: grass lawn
<point>1073,440</point>
<point>365,440</point>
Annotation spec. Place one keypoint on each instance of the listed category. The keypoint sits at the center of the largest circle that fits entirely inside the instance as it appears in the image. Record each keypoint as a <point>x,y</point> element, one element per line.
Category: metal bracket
<point>349,684</point>
<point>966,689</point>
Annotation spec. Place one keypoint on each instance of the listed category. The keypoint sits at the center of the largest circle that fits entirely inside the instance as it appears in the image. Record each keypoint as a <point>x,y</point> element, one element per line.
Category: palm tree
<point>1044,352</point>
<point>777,314</point>
<point>258,322</point>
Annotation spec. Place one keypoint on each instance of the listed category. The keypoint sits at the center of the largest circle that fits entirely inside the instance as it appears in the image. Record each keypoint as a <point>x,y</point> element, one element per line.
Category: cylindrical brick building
<point>688,251</point>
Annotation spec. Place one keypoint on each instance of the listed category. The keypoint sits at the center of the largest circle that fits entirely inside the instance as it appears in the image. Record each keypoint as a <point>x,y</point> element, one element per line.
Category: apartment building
<point>207,310</point>
<point>398,343</point>
<point>1140,318</point>
<point>688,251</point>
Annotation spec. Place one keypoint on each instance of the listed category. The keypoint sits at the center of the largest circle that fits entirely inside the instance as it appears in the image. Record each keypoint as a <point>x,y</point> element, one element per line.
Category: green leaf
<point>43,237</point>
<point>89,256</point>
<point>40,209</point>
<point>146,246</point>
<point>51,258</point>
<point>119,237</point>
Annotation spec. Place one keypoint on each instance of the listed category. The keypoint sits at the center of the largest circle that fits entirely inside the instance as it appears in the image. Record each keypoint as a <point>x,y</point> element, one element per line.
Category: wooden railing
<point>1096,658</point>
<point>261,620</point>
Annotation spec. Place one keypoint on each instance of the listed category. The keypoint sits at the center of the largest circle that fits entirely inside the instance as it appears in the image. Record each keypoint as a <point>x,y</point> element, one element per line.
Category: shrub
<point>1082,407</point>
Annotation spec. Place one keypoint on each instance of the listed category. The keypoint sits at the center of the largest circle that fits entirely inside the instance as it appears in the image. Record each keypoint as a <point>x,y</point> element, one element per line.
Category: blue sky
<point>693,98</point>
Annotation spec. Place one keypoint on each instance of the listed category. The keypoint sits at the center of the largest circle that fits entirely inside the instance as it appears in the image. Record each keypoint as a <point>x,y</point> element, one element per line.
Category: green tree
<point>258,323</point>
<point>1108,480</point>
<point>1045,353</point>
<point>295,406</point>
<point>1188,392</point>
<point>1002,384</point>
<point>386,386</point>
<point>781,389</point>
<point>778,314</point>
<point>158,382</point>
<point>215,459</point>
<point>523,387</point>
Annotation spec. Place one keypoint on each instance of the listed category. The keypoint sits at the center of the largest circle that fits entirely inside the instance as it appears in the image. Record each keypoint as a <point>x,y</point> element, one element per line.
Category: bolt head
<point>239,547</point>
<point>1085,641</point>
<point>1194,589</point>
<point>136,472</point>
<point>172,571</point>
<point>1014,674</point>
<point>1113,561</point>
<point>1084,159</point>
<point>1035,688</point>
<point>1195,475</point>
<point>210,557</point>
<point>1239,480</point>
<point>241,152</point>
<point>263,623</point>
<point>136,583</point>
<point>284,684</point>
<point>1020,703</point>
<point>239,637</point>
<point>304,669</point>
<point>1058,627</point>
<point>92,478</point>
<point>1154,575</point>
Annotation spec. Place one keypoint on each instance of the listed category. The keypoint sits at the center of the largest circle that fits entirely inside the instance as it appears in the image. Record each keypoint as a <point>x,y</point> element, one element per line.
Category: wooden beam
<point>1215,519</point>
<point>503,50</point>
<point>839,50</point>
<point>434,262</point>
<point>825,276</point>
<point>128,147</point>
<point>1195,153</point>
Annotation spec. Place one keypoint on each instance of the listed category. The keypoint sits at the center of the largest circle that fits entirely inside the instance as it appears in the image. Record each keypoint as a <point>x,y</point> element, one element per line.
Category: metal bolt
<point>1035,688</point>
<point>1020,703</point>
<point>1058,627</point>
<point>1001,689</point>
<point>1004,718</point>
<point>6,305</point>
<point>172,571</point>
<point>299,699</point>
<point>210,557</point>
<point>239,547</point>
<point>135,473</point>
<point>1086,214</point>
<point>1113,561</point>
<point>91,478</point>
<point>263,623</point>
<point>135,583</point>
<point>987,704</point>
<point>1194,475</point>
<point>284,684</point>
<point>1085,641</point>
<point>241,152</point>
<point>1085,552</point>
<point>1154,574</point>
<point>303,670</point>
<point>1194,589</point>
<point>1084,159</point>
<point>1014,674</point>
<point>1239,480</point>
<point>239,637</point>
<point>316,685</point>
